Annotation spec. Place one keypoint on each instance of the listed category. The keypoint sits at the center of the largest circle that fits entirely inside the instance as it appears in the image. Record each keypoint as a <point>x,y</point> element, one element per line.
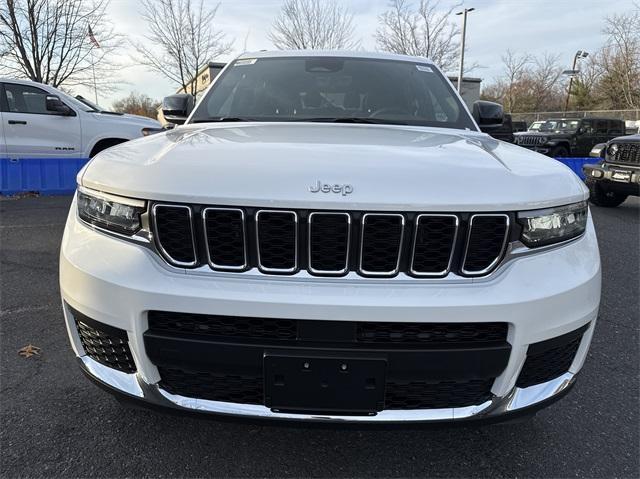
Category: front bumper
<point>541,296</point>
<point>613,177</point>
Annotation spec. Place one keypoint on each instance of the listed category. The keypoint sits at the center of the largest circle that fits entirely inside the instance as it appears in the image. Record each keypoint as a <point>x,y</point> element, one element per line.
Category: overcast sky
<point>535,26</point>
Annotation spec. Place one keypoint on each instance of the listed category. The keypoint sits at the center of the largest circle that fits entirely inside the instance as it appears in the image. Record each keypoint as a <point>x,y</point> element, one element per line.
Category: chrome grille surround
<point>210,260</point>
<point>415,240</point>
<point>394,271</point>
<point>313,270</point>
<point>498,258</point>
<point>165,254</point>
<point>266,269</point>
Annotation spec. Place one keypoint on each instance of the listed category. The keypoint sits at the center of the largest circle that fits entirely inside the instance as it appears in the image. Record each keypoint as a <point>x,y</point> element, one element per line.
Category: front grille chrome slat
<point>381,238</point>
<point>277,241</point>
<point>174,234</point>
<point>225,238</point>
<point>434,243</point>
<point>487,238</point>
<point>329,242</point>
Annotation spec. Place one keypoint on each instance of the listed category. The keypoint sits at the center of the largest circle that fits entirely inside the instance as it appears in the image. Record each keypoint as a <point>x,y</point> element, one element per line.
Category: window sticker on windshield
<point>424,68</point>
<point>245,61</point>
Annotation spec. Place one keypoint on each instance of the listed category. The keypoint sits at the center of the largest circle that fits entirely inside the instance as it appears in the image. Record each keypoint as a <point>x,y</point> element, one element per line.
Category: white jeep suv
<point>329,237</point>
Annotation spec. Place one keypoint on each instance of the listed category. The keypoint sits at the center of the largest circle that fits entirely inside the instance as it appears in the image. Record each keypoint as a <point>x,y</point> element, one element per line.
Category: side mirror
<point>55,105</point>
<point>176,108</point>
<point>487,113</point>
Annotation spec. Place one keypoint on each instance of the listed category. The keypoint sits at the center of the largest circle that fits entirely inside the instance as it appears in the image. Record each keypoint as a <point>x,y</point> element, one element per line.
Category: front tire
<point>601,197</point>
<point>559,152</point>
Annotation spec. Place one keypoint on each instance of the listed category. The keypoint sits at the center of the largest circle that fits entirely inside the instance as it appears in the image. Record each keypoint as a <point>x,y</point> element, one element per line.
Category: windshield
<point>333,89</point>
<point>90,104</point>
<point>561,125</point>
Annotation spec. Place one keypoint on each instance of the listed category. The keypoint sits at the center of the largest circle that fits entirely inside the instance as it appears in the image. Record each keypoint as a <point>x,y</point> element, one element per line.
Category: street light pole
<point>464,34</point>
<point>579,54</point>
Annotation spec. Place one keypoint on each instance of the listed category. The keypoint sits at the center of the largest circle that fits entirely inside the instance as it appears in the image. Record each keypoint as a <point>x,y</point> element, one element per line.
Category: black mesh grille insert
<point>436,395</point>
<point>225,235</point>
<point>246,389</point>
<point>432,333</point>
<point>222,326</point>
<point>234,388</point>
<point>277,237</point>
<point>486,239</point>
<point>329,242</point>
<point>105,344</point>
<point>550,359</point>
<point>434,242</point>
<point>381,241</point>
<point>627,153</point>
<point>174,233</point>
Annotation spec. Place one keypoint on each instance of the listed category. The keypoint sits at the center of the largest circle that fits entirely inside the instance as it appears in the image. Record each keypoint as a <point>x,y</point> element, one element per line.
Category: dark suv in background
<point>562,137</point>
<point>618,174</point>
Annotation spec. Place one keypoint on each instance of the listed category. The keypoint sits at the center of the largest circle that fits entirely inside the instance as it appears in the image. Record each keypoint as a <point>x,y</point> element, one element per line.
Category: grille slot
<point>174,234</point>
<point>433,244</point>
<point>381,243</point>
<point>477,334</point>
<point>550,359</point>
<point>105,344</point>
<point>329,240</point>
<point>436,395</point>
<point>627,153</point>
<point>224,230</point>
<point>486,241</point>
<point>222,326</point>
<point>277,237</point>
<point>236,388</point>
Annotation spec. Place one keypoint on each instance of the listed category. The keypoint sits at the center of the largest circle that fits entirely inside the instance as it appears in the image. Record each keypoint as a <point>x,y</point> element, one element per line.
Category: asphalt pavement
<point>55,423</point>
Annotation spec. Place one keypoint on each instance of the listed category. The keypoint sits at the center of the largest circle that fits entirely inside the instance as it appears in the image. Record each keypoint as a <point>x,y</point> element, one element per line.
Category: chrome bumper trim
<point>134,386</point>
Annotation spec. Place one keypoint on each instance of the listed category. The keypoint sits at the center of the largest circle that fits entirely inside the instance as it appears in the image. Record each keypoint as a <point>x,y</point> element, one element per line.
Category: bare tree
<point>544,77</point>
<point>137,104</point>
<point>314,25</point>
<point>516,68</point>
<point>620,60</point>
<point>48,41</point>
<point>182,39</point>
<point>424,31</point>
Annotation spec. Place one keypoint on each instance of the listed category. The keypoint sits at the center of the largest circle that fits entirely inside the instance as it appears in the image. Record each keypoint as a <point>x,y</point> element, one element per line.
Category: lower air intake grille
<point>234,388</point>
<point>105,344</point>
<point>222,326</point>
<point>174,234</point>
<point>550,359</point>
<point>436,395</point>
<point>432,333</point>
<point>486,241</point>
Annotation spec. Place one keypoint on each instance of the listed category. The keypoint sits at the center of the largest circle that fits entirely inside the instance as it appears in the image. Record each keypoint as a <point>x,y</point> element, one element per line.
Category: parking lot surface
<point>55,423</point>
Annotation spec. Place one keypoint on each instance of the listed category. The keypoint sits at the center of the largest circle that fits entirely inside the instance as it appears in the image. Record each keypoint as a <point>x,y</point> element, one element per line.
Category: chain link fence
<point>632,117</point>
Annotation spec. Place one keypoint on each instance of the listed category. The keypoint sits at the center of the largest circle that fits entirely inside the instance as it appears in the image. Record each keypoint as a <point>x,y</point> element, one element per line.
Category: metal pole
<point>95,85</point>
<point>566,104</point>
<point>464,34</point>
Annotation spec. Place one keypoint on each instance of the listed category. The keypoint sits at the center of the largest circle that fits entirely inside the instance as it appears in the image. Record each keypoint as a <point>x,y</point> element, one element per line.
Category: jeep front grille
<point>330,243</point>
<point>627,153</point>
<point>531,140</point>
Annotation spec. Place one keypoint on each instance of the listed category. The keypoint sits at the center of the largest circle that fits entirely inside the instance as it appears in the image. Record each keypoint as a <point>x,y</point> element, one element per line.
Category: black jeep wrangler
<point>617,175</point>
<point>564,137</point>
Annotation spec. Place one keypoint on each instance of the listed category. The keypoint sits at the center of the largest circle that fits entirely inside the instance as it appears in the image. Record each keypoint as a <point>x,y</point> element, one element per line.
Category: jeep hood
<point>389,168</point>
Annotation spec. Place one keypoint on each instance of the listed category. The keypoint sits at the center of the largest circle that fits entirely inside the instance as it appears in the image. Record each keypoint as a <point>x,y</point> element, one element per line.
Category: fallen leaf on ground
<point>28,351</point>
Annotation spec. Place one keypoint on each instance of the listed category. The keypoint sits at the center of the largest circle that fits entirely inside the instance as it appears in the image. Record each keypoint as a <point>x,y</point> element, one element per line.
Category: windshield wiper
<point>355,119</point>
<point>220,119</point>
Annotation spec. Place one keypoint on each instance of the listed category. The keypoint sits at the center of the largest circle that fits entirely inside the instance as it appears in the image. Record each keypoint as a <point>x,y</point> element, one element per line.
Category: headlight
<point>114,213</point>
<point>612,149</point>
<point>553,225</point>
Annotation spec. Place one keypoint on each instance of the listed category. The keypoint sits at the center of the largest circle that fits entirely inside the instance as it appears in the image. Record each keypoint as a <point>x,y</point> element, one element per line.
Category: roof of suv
<point>333,53</point>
